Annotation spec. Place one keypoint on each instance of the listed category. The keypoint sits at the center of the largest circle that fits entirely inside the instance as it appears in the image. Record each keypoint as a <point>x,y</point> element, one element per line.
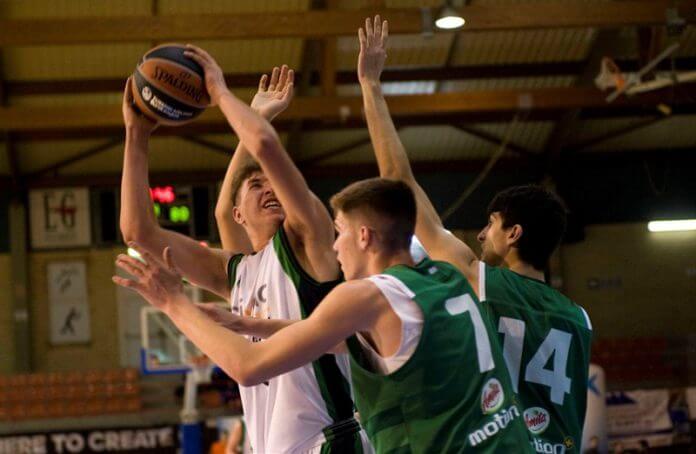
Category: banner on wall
<point>594,434</point>
<point>68,302</point>
<point>691,402</point>
<point>159,439</point>
<point>59,217</point>
<point>638,412</point>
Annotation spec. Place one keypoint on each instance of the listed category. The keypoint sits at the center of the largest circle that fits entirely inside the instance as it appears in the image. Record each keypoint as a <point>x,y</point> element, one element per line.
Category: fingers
<point>287,92</point>
<point>283,78</point>
<point>363,39</point>
<point>195,50</point>
<point>128,283</point>
<point>385,32</point>
<point>289,87</point>
<point>377,27</point>
<point>128,91</point>
<point>196,57</point>
<point>368,31</point>
<point>146,256</point>
<point>274,79</point>
<point>168,260</point>
<point>263,83</point>
<point>130,265</point>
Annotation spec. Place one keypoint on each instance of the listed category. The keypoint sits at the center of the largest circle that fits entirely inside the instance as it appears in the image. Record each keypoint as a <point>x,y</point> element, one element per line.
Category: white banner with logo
<point>691,401</point>
<point>59,217</point>
<point>68,301</point>
<point>638,412</point>
<point>594,434</point>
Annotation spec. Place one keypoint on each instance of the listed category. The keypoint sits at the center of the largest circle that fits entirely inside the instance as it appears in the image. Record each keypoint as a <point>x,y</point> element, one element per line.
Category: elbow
<point>248,374</point>
<point>266,143</point>
<point>135,232</point>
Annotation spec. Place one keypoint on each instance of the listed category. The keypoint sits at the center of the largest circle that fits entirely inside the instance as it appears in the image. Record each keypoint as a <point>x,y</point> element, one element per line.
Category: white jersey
<point>400,299</point>
<point>289,413</point>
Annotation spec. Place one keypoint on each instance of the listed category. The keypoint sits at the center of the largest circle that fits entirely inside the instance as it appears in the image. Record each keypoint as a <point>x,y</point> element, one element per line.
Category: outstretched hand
<point>274,97</point>
<point>158,282</point>
<point>214,79</point>
<point>373,54</point>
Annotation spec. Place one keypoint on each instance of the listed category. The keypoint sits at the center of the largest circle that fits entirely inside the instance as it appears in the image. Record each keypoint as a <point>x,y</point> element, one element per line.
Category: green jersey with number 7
<point>546,344</point>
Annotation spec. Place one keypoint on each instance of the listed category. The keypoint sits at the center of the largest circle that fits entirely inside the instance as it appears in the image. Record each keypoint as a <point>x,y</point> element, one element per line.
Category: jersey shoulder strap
<point>232,265</point>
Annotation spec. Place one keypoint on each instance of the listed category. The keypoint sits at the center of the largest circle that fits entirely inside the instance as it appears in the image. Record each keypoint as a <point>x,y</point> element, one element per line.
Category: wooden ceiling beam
<point>349,108</point>
<point>47,135</point>
<point>368,169</point>
<point>238,80</point>
<point>325,23</point>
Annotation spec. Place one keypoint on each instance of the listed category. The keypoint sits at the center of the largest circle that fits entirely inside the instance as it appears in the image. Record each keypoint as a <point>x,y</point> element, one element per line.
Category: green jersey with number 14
<point>546,343</point>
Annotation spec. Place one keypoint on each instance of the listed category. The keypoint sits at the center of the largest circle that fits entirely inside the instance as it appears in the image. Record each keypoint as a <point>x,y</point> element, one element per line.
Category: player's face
<point>258,205</point>
<point>493,239</point>
<point>347,247</point>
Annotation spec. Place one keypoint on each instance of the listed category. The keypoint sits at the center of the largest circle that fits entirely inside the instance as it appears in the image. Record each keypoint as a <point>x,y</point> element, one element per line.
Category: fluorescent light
<point>449,19</point>
<point>672,226</point>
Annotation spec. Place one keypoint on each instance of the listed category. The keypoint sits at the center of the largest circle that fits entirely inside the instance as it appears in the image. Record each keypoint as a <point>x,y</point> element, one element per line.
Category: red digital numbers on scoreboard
<point>163,194</point>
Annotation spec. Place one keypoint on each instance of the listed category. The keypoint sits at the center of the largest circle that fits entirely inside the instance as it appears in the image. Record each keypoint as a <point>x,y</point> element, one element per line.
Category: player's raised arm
<point>307,218</point>
<point>203,266</point>
<point>269,102</point>
<point>392,158</point>
<point>349,308</point>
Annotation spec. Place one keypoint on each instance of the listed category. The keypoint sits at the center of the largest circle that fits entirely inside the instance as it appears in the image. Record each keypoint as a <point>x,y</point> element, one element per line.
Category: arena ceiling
<point>454,95</point>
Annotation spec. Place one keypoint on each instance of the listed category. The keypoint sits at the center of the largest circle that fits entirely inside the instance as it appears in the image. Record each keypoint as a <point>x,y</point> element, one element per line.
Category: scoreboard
<point>173,207</point>
<point>187,209</point>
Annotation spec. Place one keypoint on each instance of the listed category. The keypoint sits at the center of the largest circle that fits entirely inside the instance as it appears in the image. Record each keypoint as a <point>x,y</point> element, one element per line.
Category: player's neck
<point>380,262</point>
<point>513,262</point>
<point>260,238</point>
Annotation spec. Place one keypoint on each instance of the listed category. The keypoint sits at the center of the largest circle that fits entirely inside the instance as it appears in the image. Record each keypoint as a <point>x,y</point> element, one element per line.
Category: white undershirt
<point>401,301</point>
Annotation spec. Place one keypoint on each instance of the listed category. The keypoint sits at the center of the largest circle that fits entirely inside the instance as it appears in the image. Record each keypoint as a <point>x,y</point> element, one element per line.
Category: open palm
<point>373,43</point>
<point>274,97</point>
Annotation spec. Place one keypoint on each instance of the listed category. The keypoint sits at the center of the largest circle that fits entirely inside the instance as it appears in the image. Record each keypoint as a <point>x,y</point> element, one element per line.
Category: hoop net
<point>610,76</point>
<point>201,367</point>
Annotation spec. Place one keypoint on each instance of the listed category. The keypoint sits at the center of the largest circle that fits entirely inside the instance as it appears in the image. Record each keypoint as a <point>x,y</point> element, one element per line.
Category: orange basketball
<point>168,87</point>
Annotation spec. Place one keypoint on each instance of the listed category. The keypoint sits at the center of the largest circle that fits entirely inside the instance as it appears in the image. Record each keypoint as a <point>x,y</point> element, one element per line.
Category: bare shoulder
<point>364,296</point>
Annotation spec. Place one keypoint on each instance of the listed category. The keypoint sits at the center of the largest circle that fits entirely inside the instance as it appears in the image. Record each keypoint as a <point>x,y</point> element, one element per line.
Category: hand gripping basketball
<point>214,79</point>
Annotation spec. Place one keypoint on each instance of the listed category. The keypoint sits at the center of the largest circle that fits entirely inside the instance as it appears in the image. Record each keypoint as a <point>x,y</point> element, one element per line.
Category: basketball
<point>168,87</point>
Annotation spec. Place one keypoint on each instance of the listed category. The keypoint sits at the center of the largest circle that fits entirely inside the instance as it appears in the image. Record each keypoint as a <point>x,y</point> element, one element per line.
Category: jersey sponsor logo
<point>544,447</point>
<point>500,421</point>
<point>492,396</point>
<point>537,419</point>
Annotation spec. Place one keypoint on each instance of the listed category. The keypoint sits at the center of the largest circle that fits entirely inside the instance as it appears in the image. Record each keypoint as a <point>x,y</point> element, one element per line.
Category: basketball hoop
<point>201,368</point>
<point>610,76</point>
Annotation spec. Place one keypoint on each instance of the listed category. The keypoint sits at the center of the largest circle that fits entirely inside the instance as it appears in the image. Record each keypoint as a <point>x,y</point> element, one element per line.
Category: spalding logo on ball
<point>169,88</point>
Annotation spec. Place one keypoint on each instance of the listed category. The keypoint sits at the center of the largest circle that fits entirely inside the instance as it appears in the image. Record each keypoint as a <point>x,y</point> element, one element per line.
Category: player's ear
<point>365,237</point>
<point>514,234</point>
<point>237,215</point>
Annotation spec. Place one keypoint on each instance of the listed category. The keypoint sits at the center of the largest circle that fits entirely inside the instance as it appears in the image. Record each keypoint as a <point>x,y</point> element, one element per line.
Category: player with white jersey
<point>309,408</point>
<point>426,374</point>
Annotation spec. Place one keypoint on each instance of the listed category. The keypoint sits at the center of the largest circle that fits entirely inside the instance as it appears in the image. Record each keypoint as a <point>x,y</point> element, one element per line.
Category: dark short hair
<point>542,215</point>
<point>391,201</point>
<point>241,175</point>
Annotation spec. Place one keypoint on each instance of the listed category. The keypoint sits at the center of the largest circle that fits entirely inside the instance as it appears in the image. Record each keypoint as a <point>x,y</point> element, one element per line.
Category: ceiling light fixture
<point>449,19</point>
<point>672,226</point>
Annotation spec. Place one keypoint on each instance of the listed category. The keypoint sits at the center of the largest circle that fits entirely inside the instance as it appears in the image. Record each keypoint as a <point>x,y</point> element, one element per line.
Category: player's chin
<point>491,259</point>
<point>275,215</point>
